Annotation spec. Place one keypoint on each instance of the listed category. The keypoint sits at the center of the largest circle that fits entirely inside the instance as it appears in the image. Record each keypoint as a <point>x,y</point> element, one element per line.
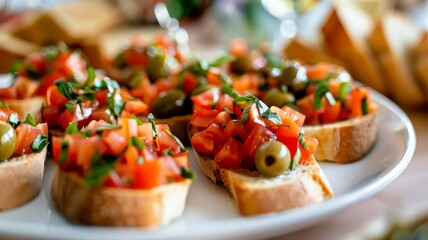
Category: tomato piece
<point>113,180</point>
<point>230,155</point>
<point>104,114</point>
<point>203,117</point>
<point>213,76</point>
<point>145,132</point>
<point>306,106</point>
<point>50,115</point>
<point>259,135</point>
<point>43,127</point>
<point>128,164</point>
<point>5,112</point>
<point>165,141</point>
<point>26,134</point>
<point>205,99</point>
<point>356,103</point>
<point>312,144</point>
<point>247,83</point>
<point>236,129</point>
<point>136,107</point>
<point>129,127</point>
<point>101,97</point>
<point>115,140</point>
<point>318,71</point>
<point>149,174</point>
<point>331,113</point>
<point>87,149</point>
<point>48,81</point>
<point>295,115</point>
<point>203,142</point>
<point>182,159</point>
<point>226,102</point>
<point>82,117</point>
<point>222,119</point>
<point>72,150</point>
<point>54,97</point>
<point>72,65</point>
<point>37,62</point>
<point>190,82</point>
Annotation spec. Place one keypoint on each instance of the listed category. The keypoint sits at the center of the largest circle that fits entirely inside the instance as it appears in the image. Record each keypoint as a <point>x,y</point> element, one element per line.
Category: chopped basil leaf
<point>365,106</point>
<point>167,152</point>
<point>136,142</point>
<point>320,90</point>
<point>63,155</point>
<point>116,104</point>
<point>70,105</point>
<point>14,68</point>
<point>221,61</point>
<point>66,89</point>
<point>343,90</point>
<point>151,119</point>
<point>176,140</point>
<point>139,122</point>
<point>33,74</point>
<point>91,77</point>
<point>224,78</point>
<point>39,143</point>
<point>30,120</point>
<point>246,113</point>
<point>229,91</point>
<point>13,120</point>
<point>265,112</point>
<point>101,167</point>
<point>295,159</point>
<point>72,128</point>
<point>4,105</point>
<point>187,173</point>
<point>302,141</point>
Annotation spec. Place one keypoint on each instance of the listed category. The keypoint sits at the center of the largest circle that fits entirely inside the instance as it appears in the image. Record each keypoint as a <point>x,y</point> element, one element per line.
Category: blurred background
<point>307,30</point>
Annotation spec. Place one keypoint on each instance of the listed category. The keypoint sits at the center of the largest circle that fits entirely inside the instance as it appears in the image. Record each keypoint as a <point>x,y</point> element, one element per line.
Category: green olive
<point>242,64</point>
<point>275,97</point>
<point>294,76</point>
<point>7,141</point>
<point>272,159</point>
<point>155,66</point>
<point>169,104</point>
<point>201,88</point>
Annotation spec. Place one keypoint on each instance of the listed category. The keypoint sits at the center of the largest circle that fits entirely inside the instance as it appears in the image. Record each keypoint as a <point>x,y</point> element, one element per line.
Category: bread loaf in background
<point>70,22</point>
<point>391,41</point>
<point>345,33</point>
<point>13,49</point>
<point>420,62</point>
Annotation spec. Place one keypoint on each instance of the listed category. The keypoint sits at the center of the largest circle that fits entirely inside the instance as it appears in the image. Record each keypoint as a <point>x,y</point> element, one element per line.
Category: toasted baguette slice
<point>31,105</point>
<point>345,38</point>
<point>118,206</point>
<point>70,22</point>
<point>255,194</point>
<point>21,179</point>
<point>346,141</point>
<point>13,49</point>
<point>297,49</point>
<point>391,41</point>
<point>420,62</point>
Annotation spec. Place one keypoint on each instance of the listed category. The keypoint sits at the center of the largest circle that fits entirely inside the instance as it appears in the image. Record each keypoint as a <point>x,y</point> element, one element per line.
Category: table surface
<point>401,195</point>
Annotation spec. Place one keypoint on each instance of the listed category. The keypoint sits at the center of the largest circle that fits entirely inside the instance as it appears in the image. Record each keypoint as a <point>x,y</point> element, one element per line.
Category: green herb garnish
<point>139,122</point>
<point>302,141</point>
<point>13,120</point>
<point>176,140</point>
<point>63,156</point>
<point>295,159</point>
<point>151,119</point>
<point>136,142</point>
<point>322,90</point>
<point>365,106</point>
<point>187,173</point>
<point>39,143</point>
<point>167,152</point>
<point>4,105</point>
<point>100,168</point>
<point>30,120</point>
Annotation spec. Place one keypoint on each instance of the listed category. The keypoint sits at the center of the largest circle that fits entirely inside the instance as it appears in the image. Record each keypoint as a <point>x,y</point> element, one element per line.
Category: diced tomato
<point>115,141</point>
<point>259,135</point>
<point>145,132</point>
<point>113,180</point>
<point>312,144</point>
<point>182,159</point>
<point>355,105</point>
<point>87,149</point>
<point>246,84</point>
<point>238,47</point>
<point>82,117</point>
<point>72,150</point>
<point>37,62</point>
<point>295,115</point>
<point>222,119</point>
<point>235,129</point>
<point>136,107</point>
<point>101,97</point>
<point>104,114</point>
<point>48,81</point>
<point>128,127</point>
<point>306,106</point>
<point>230,155</point>
<point>213,77</point>
<point>71,64</point>
<point>165,141</point>
<point>50,115</point>
<point>318,71</point>
<point>330,113</point>
<point>203,117</point>
<point>149,174</point>
<point>190,82</point>
<point>54,97</point>
<point>205,99</point>
<point>226,102</point>
<point>5,112</point>
<point>25,136</point>
<point>203,142</point>
<point>43,127</point>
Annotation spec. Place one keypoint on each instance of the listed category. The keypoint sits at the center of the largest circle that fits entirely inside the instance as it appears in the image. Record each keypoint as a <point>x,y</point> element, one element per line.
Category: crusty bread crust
<point>21,179</point>
<point>345,38</point>
<point>346,141</point>
<point>31,105</point>
<point>118,206</point>
<point>255,194</point>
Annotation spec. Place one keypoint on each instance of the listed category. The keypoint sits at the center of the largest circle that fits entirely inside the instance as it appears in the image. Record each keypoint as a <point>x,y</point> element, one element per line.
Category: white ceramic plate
<point>211,212</point>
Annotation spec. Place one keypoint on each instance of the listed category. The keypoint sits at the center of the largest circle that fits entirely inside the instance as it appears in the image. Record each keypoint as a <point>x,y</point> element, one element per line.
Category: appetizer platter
<point>210,211</point>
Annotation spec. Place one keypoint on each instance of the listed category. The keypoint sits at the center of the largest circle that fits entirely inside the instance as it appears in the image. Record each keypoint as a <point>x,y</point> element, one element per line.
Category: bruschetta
<point>33,76</point>
<point>126,174</point>
<point>258,153</point>
<point>22,158</point>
